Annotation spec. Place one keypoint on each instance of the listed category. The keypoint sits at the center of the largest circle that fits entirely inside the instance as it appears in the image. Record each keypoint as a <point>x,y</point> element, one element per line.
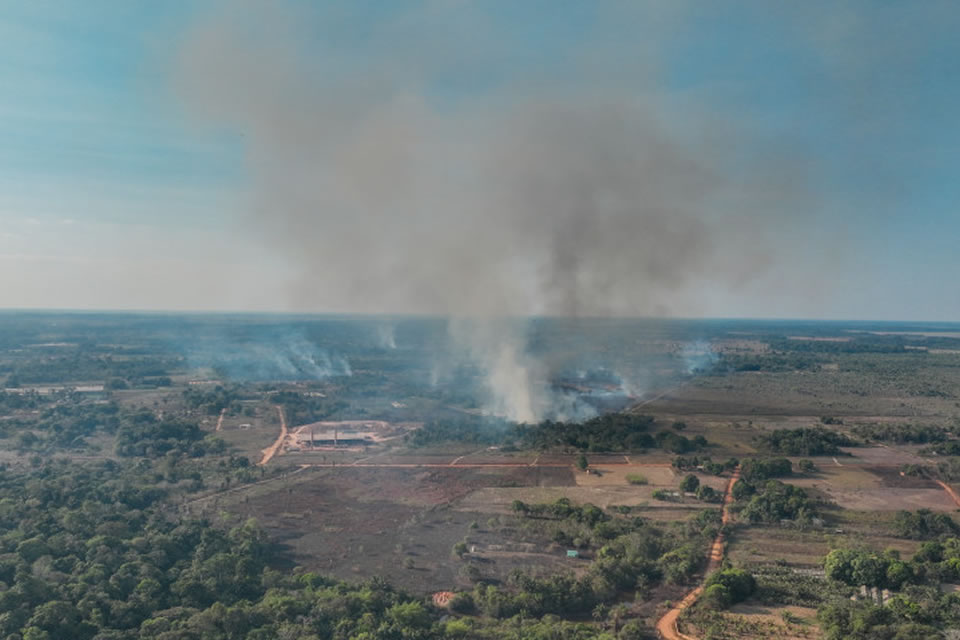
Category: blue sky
<point>120,188</point>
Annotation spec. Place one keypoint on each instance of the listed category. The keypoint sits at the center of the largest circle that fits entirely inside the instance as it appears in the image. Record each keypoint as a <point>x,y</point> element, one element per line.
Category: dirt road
<point>950,492</point>
<point>667,625</point>
<point>223,412</point>
<point>469,465</point>
<point>272,450</point>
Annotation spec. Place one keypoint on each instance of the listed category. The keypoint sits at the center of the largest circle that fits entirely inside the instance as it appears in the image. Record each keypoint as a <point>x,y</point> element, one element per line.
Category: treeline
<point>12,401</point>
<point>917,613</point>
<point>92,552</point>
<point>83,365</point>
<point>935,561</point>
<point>301,408</point>
<point>470,430</point>
<point>805,441</point>
<point>144,434</point>
<point>902,433</point>
<point>924,524</point>
<point>947,448</point>
<point>767,362</point>
<point>757,470</point>
<point>610,432</point>
<point>688,463</point>
<point>876,344</point>
<point>209,400</point>
<point>63,426</point>
<point>918,609</point>
<point>85,552</point>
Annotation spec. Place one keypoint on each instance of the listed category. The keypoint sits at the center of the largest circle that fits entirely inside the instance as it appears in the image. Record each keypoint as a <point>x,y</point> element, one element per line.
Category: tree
<point>717,596</point>
<point>807,466</point>
<point>690,483</point>
<point>582,462</point>
<point>707,493</point>
<point>742,489</point>
<point>740,584</point>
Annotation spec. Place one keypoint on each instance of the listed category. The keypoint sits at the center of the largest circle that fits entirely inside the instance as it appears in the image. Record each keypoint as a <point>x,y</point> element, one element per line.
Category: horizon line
<point>434,315</point>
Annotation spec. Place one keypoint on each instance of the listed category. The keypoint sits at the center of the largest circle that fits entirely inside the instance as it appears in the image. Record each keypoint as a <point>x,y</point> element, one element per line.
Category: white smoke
<point>698,356</point>
<point>514,381</point>
<point>385,336</point>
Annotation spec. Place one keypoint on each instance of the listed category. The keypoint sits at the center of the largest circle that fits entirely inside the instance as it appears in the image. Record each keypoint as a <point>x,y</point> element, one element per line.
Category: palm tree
<point>617,614</point>
<point>600,612</point>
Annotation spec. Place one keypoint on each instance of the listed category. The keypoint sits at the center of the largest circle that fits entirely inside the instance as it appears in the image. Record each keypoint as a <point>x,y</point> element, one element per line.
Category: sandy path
<point>273,449</point>
<point>667,625</point>
<point>223,412</point>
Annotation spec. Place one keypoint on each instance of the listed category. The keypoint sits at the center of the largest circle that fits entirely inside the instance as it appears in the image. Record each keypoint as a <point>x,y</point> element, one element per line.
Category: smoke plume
<point>396,182</point>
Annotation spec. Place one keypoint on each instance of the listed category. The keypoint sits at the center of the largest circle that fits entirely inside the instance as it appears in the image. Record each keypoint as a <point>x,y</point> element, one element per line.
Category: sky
<point>695,159</point>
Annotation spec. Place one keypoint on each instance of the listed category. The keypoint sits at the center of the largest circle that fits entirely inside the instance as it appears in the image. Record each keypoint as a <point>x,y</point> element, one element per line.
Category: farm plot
<point>354,523</point>
<point>865,488</point>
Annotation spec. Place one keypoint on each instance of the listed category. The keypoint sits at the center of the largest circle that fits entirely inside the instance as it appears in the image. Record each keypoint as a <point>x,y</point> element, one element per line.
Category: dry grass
<point>657,476</point>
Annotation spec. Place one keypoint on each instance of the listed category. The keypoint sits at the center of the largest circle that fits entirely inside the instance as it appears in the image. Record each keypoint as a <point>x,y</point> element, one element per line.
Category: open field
<point>352,522</point>
<point>757,622</point>
<point>804,549</point>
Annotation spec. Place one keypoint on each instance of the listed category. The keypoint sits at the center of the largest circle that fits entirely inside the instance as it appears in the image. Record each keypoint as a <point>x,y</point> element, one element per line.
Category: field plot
<point>355,522</point>
<point>804,549</point>
<point>865,488</point>
<point>883,455</point>
<point>248,434</point>
<point>856,390</point>
<point>656,475</point>
<point>754,622</point>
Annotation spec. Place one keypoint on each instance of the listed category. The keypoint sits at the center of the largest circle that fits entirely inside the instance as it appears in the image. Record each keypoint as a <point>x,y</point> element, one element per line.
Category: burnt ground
<point>353,523</point>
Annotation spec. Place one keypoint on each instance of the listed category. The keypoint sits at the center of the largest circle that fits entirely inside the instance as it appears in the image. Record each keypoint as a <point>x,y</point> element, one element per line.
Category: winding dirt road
<point>667,625</point>
<point>272,450</point>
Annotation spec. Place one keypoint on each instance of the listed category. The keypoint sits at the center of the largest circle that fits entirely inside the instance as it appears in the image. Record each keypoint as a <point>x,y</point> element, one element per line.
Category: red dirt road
<point>272,450</point>
<point>667,625</point>
<point>950,492</point>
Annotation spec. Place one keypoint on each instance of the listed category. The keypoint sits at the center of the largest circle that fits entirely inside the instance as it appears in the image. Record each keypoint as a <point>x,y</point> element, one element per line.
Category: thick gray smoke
<point>394,184</point>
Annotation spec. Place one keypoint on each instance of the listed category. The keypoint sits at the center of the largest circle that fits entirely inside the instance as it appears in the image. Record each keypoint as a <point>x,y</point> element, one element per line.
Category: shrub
<point>740,584</point>
<point>636,478</point>
<point>717,596</point>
